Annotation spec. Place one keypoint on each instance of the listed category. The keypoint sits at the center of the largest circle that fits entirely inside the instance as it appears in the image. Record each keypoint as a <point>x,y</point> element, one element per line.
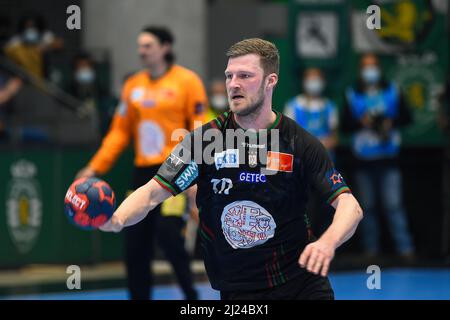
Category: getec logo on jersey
<point>227,159</point>
<point>252,177</point>
<point>189,174</point>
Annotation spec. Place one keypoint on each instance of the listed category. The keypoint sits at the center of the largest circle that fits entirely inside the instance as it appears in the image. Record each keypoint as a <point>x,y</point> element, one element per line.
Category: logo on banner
<point>405,22</point>
<point>23,206</point>
<point>387,26</point>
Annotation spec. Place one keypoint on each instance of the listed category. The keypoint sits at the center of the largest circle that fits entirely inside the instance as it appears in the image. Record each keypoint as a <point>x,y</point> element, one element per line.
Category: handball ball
<point>89,203</point>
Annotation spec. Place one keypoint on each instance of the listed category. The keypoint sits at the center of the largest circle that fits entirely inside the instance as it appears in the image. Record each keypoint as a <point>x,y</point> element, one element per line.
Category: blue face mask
<point>85,76</point>
<point>313,87</point>
<point>371,75</point>
<point>31,35</point>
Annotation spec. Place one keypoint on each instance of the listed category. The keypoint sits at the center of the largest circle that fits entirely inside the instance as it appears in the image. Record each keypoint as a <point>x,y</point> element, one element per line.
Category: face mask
<point>219,101</point>
<point>31,35</point>
<point>314,87</point>
<point>370,75</point>
<point>85,76</point>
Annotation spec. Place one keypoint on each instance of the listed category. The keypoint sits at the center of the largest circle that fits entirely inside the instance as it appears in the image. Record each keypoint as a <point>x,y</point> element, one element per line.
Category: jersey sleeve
<point>196,101</point>
<point>179,171</point>
<point>117,138</point>
<point>319,169</point>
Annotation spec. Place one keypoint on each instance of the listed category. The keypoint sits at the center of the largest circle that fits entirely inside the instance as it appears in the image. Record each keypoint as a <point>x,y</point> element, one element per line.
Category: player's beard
<point>255,104</point>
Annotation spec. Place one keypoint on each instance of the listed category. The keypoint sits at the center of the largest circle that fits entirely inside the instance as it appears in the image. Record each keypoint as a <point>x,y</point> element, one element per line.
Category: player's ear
<point>272,80</point>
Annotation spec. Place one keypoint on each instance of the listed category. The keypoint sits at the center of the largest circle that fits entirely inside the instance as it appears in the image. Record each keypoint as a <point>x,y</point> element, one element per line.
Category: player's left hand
<point>317,257</point>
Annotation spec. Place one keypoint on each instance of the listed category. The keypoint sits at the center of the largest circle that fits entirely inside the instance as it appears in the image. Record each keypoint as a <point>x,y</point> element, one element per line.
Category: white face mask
<point>85,76</point>
<point>219,102</point>
<point>31,35</point>
<point>371,75</point>
<point>314,87</point>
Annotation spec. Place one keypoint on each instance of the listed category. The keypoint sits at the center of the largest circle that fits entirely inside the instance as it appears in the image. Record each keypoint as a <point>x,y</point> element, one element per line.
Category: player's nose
<point>233,84</point>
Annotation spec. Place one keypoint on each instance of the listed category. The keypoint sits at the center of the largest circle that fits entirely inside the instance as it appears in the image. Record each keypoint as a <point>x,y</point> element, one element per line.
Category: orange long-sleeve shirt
<point>149,111</point>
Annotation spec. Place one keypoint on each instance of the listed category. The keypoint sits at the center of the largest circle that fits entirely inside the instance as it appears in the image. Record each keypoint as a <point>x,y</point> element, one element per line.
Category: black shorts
<point>307,286</point>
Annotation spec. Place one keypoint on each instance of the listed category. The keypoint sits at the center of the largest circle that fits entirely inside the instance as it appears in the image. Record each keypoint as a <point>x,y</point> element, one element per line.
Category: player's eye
<point>228,76</point>
<point>244,76</point>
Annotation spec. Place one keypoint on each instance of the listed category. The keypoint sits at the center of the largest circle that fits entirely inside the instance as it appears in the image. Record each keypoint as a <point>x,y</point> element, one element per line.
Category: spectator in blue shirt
<point>314,112</point>
<point>374,111</point>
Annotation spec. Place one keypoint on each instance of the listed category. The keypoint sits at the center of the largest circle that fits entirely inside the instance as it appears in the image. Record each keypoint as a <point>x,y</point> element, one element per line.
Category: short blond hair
<point>267,51</point>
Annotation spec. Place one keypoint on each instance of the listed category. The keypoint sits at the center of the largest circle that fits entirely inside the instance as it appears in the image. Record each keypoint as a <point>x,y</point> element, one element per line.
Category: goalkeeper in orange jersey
<point>155,101</point>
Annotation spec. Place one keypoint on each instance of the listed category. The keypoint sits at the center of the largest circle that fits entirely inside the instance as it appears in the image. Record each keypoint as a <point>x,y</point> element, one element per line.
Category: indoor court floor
<point>395,284</point>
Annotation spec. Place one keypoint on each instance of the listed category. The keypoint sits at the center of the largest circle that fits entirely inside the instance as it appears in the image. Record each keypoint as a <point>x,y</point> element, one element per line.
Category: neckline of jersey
<point>274,125</point>
<point>167,72</point>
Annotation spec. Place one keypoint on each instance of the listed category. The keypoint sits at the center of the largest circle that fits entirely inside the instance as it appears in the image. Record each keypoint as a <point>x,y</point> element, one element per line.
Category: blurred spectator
<point>218,99</point>
<point>444,124</point>
<point>85,85</point>
<point>317,115</point>
<point>374,111</point>
<point>9,86</point>
<point>314,112</point>
<point>29,46</point>
<point>83,82</point>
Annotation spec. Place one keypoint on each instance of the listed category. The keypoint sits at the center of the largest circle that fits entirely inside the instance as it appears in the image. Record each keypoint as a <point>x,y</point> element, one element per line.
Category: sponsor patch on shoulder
<point>189,174</point>
<point>335,179</point>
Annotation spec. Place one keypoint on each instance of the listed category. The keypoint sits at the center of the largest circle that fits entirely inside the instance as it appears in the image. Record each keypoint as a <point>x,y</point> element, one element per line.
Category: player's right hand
<point>112,225</point>
<point>317,256</point>
<point>86,172</point>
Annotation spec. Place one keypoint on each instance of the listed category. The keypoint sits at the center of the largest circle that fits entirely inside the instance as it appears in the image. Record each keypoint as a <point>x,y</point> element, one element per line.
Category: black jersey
<point>251,197</point>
